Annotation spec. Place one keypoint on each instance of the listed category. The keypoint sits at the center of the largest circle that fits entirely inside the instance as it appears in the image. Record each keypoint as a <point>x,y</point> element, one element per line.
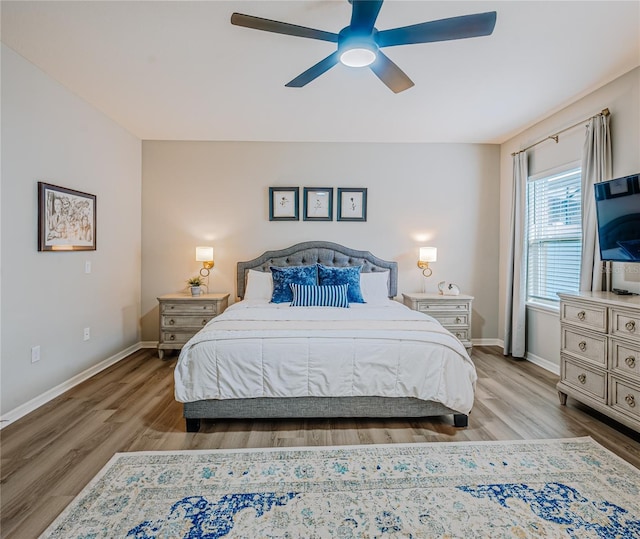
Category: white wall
<point>216,193</point>
<point>49,134</point>
<point>622,98</point>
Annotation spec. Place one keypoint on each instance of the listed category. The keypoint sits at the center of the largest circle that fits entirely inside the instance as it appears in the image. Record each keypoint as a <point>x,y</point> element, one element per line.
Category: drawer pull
<point>172,307</point>
<point>459,335</point>
<point>582,345</point>
<point>631,326</point>
<point>205,307</point>
<point>582,378</point>
<point>459,306</point>
<point>582,315</point>
<point>458,320</point>
<point>630,400</point>
<point>204,322</point>
<point>172,338</point>
<point>171,322</point>
<point>630,361</point>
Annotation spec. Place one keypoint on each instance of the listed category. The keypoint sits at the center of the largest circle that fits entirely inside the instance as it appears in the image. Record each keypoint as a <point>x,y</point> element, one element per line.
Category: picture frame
<point>352,204</point>
<point>284,203</point>
<point>318,204</point>
<point>66,219</point>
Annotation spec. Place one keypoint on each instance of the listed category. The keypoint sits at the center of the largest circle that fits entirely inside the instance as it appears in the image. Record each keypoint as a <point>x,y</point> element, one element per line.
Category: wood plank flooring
<point>48,456</point>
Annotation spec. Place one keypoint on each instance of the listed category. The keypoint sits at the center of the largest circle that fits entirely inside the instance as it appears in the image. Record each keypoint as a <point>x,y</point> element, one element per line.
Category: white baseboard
<point>54,392</point>
<point>544,363</point>
<point>487,342</point>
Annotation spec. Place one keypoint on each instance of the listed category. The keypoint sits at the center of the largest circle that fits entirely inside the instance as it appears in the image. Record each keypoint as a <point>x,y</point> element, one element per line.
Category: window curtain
<point>516,294</point>
<point>596,167</point>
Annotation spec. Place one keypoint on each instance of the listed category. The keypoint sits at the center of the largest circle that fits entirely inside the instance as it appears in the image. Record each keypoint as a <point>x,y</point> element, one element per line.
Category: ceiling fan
<point>359,43</point>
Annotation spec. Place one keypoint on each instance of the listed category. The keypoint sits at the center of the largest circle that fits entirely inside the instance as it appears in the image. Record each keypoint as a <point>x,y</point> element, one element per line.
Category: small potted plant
<point>195,283</point>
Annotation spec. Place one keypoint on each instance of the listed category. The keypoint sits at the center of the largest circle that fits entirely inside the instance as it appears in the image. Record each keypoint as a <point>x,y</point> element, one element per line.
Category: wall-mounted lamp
<point>427,254</point>
<point>205,255</point>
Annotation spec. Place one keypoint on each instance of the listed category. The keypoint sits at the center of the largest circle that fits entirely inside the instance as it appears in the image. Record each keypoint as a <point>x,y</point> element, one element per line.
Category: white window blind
<point>554,231</point>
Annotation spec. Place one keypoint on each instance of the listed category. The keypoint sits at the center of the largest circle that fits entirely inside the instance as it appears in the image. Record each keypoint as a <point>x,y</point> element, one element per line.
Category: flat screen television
<point>618,211</point>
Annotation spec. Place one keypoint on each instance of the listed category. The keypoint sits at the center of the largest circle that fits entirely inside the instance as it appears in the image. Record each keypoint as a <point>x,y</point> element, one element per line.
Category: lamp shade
<point>204,254</point>
<point>428,254</point>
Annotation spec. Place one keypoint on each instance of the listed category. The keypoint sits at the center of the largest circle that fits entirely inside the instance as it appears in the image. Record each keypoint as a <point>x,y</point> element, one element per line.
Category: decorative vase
<point>195,291</point>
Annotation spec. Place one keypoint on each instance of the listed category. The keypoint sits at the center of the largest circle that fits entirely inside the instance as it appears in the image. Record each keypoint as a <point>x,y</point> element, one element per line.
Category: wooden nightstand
<point>182,316</point>
<point>453,312</point>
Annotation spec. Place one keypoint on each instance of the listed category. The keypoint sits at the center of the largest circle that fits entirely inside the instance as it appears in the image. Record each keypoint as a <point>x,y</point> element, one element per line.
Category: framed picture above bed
<point>318,204</point>
<point>66,219</point>
<point>284,203</point>
<point>352,204</point>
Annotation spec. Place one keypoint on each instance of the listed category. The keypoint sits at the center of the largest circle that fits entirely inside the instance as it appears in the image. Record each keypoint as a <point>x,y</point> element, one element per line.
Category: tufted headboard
<point>323,252</point>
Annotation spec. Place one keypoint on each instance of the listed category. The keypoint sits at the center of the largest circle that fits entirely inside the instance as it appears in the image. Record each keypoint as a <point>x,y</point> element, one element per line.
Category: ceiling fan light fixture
<point>358,57</point>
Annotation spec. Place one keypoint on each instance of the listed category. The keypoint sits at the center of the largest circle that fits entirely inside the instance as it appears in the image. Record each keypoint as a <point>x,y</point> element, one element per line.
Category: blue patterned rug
<point>546,488</point>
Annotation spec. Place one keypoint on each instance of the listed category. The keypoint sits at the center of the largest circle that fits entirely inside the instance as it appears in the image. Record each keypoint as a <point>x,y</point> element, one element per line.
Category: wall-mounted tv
<point>618,211</point>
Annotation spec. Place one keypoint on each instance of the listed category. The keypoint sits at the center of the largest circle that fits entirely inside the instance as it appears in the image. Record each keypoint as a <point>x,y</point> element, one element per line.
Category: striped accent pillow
<point>319,296</point>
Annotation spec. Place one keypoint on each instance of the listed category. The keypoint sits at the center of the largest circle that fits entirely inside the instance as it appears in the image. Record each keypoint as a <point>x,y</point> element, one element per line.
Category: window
<point>554,235</point>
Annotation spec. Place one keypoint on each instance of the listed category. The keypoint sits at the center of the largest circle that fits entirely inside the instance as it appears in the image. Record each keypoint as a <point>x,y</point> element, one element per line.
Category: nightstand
<point>182,316</point>
<point>453,312</point>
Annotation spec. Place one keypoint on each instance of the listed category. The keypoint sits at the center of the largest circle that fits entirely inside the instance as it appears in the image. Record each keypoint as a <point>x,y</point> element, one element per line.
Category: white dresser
<point>453,312</point>
<point>600,353</point>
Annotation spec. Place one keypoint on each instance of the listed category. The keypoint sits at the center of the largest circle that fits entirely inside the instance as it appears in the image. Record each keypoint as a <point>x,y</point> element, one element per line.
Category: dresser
<point>600,353</point>
<point>453,312</point>
<point>182,316</point>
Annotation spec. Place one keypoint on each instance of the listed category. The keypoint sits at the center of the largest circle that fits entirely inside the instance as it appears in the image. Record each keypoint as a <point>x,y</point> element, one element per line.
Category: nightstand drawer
<point>625,396</point>
<point>436,307</point>
<point>589,347</point>
<point>453,319</point>
<point>625,358</point>
<point>184,321</point>
<point>587,316</point>
<point>585,379</point>
<point>176,337</point>
<point>187,308</point>
<point>461,334</point>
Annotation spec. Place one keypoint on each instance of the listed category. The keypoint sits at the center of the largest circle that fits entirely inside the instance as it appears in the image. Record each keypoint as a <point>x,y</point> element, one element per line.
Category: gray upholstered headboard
<point>323,252</point>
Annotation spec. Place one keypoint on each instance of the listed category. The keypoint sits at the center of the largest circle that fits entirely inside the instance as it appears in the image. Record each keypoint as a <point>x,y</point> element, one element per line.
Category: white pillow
<point>259,285</point>
<point>375,286</point>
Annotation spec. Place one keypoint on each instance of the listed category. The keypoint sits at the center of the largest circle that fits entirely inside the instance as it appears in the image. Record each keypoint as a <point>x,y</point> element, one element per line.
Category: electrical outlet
<point>87,334</point>
<point>35,353</point>
<point>87,266</point>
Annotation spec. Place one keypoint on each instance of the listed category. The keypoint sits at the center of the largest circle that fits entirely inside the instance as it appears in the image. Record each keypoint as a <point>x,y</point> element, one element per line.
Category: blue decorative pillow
<point>283,277</point>
<point>319,296</point>
<point>350,275</point>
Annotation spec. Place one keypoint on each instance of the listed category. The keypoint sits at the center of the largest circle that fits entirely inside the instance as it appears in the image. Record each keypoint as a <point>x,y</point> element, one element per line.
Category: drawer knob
<point>630,361</point>
<point>204,308</point>
<point>458,319</point>
<point>171,322</point>
<point>630,400</point>
<point>582,378</point>
<point>582,345</point>
<point>459,335</point>
<point>172,338</point>
<point>172,307</point>
<point>582,315</point>
<point>631,326</point>
<point>204,322</point>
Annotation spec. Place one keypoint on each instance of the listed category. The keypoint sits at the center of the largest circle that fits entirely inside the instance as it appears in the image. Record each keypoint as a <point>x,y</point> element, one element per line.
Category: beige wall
<point>216,193</point>
<point>622,98</point>
<point>49,134</point>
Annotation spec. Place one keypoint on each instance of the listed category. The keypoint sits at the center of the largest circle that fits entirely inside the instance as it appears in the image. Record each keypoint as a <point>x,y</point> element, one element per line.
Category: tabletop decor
<point>527,488</point>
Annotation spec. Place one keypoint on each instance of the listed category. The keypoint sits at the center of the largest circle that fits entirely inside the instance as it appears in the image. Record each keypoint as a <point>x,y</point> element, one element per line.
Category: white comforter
<point>257,349</point>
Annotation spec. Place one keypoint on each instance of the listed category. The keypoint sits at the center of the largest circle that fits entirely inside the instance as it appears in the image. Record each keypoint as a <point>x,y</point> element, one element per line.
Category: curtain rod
<point>555,136</point>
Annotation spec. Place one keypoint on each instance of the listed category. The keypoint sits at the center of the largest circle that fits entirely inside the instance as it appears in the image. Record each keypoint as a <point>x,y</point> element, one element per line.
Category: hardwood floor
<point>48,456</point>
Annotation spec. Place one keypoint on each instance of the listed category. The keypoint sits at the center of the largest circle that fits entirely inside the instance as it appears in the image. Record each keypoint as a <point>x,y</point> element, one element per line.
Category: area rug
<point>544,488</point>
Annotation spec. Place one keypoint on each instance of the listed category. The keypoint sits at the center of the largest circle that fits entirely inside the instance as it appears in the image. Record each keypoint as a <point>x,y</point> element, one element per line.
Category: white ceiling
<point>180,71</point>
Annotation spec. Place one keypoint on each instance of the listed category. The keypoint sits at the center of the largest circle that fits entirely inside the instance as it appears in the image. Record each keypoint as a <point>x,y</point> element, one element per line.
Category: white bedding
<point>259,349</point>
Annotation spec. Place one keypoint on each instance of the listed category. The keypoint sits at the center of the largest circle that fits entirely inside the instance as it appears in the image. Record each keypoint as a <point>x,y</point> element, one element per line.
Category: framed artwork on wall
<point>284,203</point>
<point>318,204</point>
<point>352,204</point>
<point>66,219</point>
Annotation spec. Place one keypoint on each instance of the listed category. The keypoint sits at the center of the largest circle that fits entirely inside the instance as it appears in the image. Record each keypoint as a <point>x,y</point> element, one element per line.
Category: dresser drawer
<point>625,358</point>
<point>624,396</point>
<point>461,334</point>
<point>184,321</point>
<point>451,319</point>
<point>587,316</point>
<point>188,308</point>
<point>625,324</point>
<point>585,379</point>
<point>586,346</point>
<point>176,337</point>
<point>436,307</point>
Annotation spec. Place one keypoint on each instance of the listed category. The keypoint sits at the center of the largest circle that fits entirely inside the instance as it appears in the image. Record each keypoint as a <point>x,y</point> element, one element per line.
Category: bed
<point>379,359</point>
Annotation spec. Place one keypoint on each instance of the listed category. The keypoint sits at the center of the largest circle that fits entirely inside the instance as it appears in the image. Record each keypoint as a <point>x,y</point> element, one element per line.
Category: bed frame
<point>329,254</point>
